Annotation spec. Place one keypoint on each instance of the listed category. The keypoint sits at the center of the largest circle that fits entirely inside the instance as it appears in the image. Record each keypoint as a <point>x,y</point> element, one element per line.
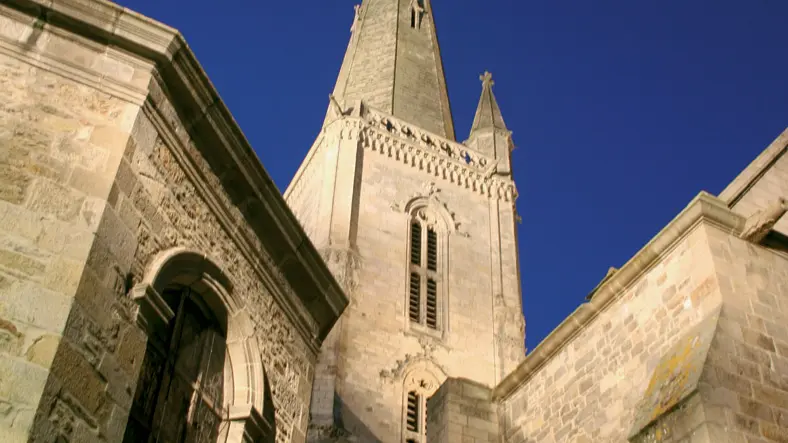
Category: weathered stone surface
<point>676,375</point>
<point>122,177</point>
<point>94,189</point>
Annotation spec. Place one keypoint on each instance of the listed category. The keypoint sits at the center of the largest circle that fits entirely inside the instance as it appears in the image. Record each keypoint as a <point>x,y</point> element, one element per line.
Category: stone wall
<point>589,389</point>
<point>687,342</point>
<point>462,411</point>
<point>110,164</point>
<point>304,197</point>
<point>377,351</point>
<point>747,377</point>
<point>168,208</point>
<point>61,139</point>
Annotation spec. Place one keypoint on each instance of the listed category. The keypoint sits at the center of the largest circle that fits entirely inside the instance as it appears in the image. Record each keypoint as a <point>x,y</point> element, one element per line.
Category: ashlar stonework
<point>155,286</point>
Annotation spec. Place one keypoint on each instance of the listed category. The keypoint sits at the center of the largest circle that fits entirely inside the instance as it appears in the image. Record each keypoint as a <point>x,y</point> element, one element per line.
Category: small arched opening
<point>420,382</point>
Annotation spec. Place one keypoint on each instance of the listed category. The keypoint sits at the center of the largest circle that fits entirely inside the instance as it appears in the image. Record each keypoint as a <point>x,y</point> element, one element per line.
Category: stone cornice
<point>427,140</point>
<point>705,208</point>
<point>438,156</point>
<point>222,142</point>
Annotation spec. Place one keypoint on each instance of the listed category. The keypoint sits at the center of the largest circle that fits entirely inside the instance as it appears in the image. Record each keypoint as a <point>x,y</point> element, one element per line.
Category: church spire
<point>488,114</point>
<point>489,134</point>
<point>393,64</point>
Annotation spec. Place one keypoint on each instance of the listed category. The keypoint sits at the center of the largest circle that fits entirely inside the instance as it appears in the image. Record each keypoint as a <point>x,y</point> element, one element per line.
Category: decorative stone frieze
<point>426,356</point>
<point>444,159</point>
<point>430,207</point>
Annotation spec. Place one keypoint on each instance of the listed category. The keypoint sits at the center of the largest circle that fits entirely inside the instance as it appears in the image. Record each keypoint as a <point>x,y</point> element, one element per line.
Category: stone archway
<point>201,368</point>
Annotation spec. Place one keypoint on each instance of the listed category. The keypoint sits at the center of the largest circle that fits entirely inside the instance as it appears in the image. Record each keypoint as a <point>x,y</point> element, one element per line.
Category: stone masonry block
<point>462,409</point>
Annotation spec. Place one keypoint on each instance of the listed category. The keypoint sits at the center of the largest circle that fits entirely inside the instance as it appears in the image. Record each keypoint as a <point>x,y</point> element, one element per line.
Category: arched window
<point>425,276</point>
<point>418,388</point>
<point>183,377</point>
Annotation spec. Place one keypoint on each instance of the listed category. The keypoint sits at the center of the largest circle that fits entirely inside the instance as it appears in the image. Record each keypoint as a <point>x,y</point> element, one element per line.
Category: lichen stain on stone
<point>671,378</point>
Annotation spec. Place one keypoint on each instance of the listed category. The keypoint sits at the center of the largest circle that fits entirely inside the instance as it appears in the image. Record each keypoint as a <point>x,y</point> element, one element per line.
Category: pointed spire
<point>488,114</point>
<point>393,64</point>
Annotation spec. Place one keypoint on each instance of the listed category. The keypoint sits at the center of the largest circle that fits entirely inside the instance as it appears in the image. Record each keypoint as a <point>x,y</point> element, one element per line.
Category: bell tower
<point>419,229</point>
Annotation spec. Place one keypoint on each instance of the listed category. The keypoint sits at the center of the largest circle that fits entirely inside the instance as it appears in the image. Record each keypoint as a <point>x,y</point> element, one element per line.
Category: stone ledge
<point>195,96</point>
<point>755,170</point>
<point>704,208</point>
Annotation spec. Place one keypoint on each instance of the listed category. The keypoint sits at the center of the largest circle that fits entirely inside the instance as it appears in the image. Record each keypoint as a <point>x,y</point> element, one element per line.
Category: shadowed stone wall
<point>116,162</point>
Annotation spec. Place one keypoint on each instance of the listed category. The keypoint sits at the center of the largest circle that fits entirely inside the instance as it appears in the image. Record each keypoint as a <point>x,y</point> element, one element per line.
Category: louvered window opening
<point>432,250</point>
<point>422,281</point>
<point>413,420</point>
<point>415,244</point>
<point>414,305</point>
<point>432,304</point>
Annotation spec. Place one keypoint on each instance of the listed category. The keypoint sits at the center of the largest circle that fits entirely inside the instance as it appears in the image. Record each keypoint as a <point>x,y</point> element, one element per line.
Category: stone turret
<point>489,134</point>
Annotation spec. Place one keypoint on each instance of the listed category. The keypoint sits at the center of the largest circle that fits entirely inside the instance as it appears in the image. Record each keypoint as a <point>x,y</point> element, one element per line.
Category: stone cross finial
<point>487,79</point>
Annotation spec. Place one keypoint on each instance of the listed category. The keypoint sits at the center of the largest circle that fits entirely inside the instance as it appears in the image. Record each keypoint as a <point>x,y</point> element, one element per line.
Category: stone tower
<point>418,228</point>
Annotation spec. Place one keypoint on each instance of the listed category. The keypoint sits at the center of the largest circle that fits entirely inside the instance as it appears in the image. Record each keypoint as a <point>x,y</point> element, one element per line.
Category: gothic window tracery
<point>425,271</point>
<point>180,397</point>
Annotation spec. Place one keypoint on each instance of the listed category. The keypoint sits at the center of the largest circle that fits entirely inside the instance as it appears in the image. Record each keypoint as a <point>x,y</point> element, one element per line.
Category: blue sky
<point>622,111</point>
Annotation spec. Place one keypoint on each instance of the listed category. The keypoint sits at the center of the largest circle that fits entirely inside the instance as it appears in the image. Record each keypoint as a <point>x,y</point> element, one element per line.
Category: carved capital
<point>154,313</point>
<point>247,424</point>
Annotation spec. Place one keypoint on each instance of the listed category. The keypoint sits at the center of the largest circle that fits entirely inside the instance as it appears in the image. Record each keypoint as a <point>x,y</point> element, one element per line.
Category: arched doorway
<point>202,378</point>
<point>183,377</point>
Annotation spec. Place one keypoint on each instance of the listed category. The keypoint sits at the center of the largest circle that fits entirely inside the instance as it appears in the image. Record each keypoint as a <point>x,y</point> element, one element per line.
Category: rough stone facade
<point>125,186</point>
<point>149,269</point>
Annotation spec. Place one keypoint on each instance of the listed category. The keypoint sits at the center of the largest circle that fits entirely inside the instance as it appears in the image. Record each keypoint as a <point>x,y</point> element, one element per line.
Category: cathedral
<point>155,285</point>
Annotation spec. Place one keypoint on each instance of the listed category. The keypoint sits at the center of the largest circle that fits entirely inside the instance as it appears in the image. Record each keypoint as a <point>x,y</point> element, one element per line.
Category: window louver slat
<point>414,401</point>
<point>414,302</point>
<point>415,243</point>
<point>432,304</point>
<point>432,250</point>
